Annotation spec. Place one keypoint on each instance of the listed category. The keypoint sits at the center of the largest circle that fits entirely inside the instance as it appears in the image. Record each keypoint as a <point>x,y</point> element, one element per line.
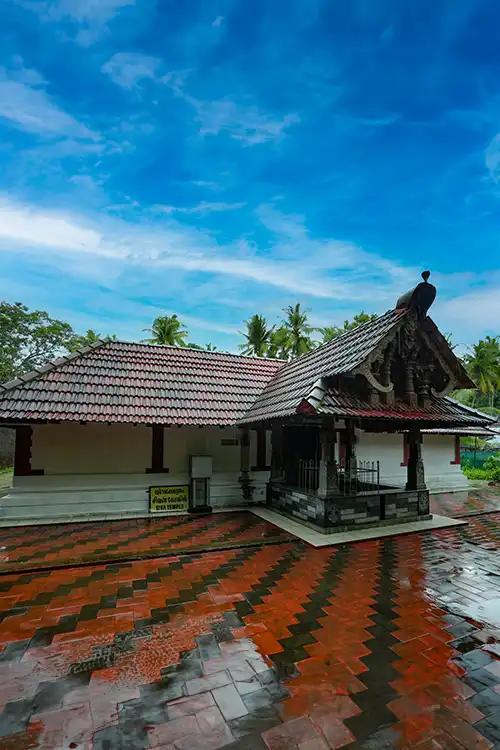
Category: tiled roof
<point>296,379</point>
<point>486,432</point>
<point>140,383</point>
<point>443,410</point>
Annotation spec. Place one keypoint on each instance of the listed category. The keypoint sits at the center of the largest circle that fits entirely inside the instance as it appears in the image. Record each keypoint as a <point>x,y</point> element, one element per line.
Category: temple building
<point>354,432</point>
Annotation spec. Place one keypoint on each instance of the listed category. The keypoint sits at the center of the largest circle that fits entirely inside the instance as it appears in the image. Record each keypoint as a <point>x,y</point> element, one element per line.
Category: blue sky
<point>221,158</point>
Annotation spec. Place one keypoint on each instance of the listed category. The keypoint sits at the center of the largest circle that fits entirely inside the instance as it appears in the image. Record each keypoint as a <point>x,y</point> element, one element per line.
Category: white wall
<point>98,471</point>
<point>90,449</point>
<point>438,451</point>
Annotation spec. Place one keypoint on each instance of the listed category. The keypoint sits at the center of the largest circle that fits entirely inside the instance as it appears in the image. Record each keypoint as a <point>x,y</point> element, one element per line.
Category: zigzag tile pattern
<point>388,643</point>
<point>36,547</point>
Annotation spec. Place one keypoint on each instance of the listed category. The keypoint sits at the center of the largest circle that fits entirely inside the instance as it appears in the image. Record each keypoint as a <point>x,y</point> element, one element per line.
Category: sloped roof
<point>295,381</point>
<point>142,383</point>
<point>445,411</point>
<point>139,383</point>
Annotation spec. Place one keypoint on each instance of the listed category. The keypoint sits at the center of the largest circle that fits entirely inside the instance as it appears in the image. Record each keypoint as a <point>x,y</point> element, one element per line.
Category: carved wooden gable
<point>409,364</point>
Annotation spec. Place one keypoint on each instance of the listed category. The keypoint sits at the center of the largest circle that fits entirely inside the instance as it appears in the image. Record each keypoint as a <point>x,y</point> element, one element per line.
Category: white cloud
<point>313,267</point>
<point>90,16</point>
<point>492,158</point>
<point>28,106</point>
<point>127,69</point>
<point>473,313</point>
<point>202,208</point>
<point>23,224</point>
<point>335,278</point>
<point>247,124</point>
<point>86,11</point>
<point>217,22</point>
<point>243,122</point>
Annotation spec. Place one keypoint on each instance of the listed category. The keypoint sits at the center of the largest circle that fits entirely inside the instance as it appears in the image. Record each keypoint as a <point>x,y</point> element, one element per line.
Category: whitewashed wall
<point>98,471</point>
<point>438,451</point>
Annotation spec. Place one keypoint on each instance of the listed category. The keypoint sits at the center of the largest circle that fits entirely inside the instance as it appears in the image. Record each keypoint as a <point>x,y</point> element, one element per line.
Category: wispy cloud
<point>217,22</point>
<point>204,207</point>
<point>241,121</point>
<point>25,104</point>
<point>177,246</point>
<point>127,69</point>
<point>492,158</point>
<point>91,17</point>
<point>247,124</point>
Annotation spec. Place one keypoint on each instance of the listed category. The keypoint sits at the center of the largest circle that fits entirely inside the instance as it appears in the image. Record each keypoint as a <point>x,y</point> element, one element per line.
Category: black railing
<point>358,476</point>
<point>308,474</point>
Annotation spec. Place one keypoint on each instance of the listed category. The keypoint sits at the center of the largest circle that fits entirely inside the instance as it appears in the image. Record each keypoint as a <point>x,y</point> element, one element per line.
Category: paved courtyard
<point>259,642</point>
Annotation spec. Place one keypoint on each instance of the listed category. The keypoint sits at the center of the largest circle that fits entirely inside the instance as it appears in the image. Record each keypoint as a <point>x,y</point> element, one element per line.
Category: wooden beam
<point>22,453</point>
<point>157,449</point>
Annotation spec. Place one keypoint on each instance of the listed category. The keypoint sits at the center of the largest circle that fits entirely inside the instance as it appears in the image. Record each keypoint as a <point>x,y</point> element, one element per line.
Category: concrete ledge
<point>320,539</point>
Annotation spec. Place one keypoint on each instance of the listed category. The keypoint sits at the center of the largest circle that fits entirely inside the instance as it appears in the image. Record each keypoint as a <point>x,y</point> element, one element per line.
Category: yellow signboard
<point>173,498</point>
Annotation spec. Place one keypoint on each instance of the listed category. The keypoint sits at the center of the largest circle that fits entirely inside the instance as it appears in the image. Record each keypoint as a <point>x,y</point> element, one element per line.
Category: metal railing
<point>308,474</point>
<point>358,476</point>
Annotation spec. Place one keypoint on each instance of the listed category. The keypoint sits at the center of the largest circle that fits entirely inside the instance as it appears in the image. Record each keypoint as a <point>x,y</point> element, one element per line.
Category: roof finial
<point>420,298</point>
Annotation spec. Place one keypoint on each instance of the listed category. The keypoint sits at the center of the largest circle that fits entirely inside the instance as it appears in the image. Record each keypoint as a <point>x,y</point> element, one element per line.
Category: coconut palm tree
<point>332,332</point>
<point>279,343</point>
<point>483,365</point>
<point>86,339</point>
<point>167,329</point>
<point>299,331</point>
<point>257,336</point>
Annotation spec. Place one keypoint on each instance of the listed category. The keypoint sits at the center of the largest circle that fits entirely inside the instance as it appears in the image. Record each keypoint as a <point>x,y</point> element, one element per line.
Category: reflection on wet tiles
<point>389,643</point>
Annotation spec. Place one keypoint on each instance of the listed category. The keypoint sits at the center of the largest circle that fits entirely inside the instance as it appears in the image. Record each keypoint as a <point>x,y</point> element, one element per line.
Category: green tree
<point>257,336</point>
<point>483,365</point>
<point>87,339</point>
<point>279,343</point>
<point>28,339</point>
<point>299,330</point>
<point>329,333</point>
<point>167,329</point>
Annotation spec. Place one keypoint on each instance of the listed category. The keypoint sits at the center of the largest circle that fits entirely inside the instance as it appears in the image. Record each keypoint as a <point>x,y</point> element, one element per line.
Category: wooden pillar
<point>22,452</point>
<point>157,448</point>
<point>327,474</point>
<point>244,450</point>
<point>410,394</point>
<point>261,463</point>
<point>350,447</point>
<point>246,488</point>
<point>415,469</point>
<point>277,452</point>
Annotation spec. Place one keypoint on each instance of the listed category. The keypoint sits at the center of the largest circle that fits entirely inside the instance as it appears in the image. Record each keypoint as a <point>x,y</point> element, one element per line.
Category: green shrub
<point>492,466</point>
<point>472,472</point>
<point>490,470</point>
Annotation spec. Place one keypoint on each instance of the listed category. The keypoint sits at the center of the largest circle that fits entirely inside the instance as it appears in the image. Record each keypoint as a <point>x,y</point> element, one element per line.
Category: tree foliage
<point>257,336</point>
<point>28,339</point>
<point>296,322</point>
<point>167,329</point>
<point>329,333</point>
<point>483,365</point>
<point>86,339</point>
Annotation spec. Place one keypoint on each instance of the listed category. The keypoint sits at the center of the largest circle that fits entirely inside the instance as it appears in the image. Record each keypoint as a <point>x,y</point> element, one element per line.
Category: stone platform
<point>336,513</point>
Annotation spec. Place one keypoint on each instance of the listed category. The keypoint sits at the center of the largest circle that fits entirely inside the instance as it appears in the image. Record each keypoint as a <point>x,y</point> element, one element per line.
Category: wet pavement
<point>466,503</point>
<point>59,545</point>
<point>272,644</point>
